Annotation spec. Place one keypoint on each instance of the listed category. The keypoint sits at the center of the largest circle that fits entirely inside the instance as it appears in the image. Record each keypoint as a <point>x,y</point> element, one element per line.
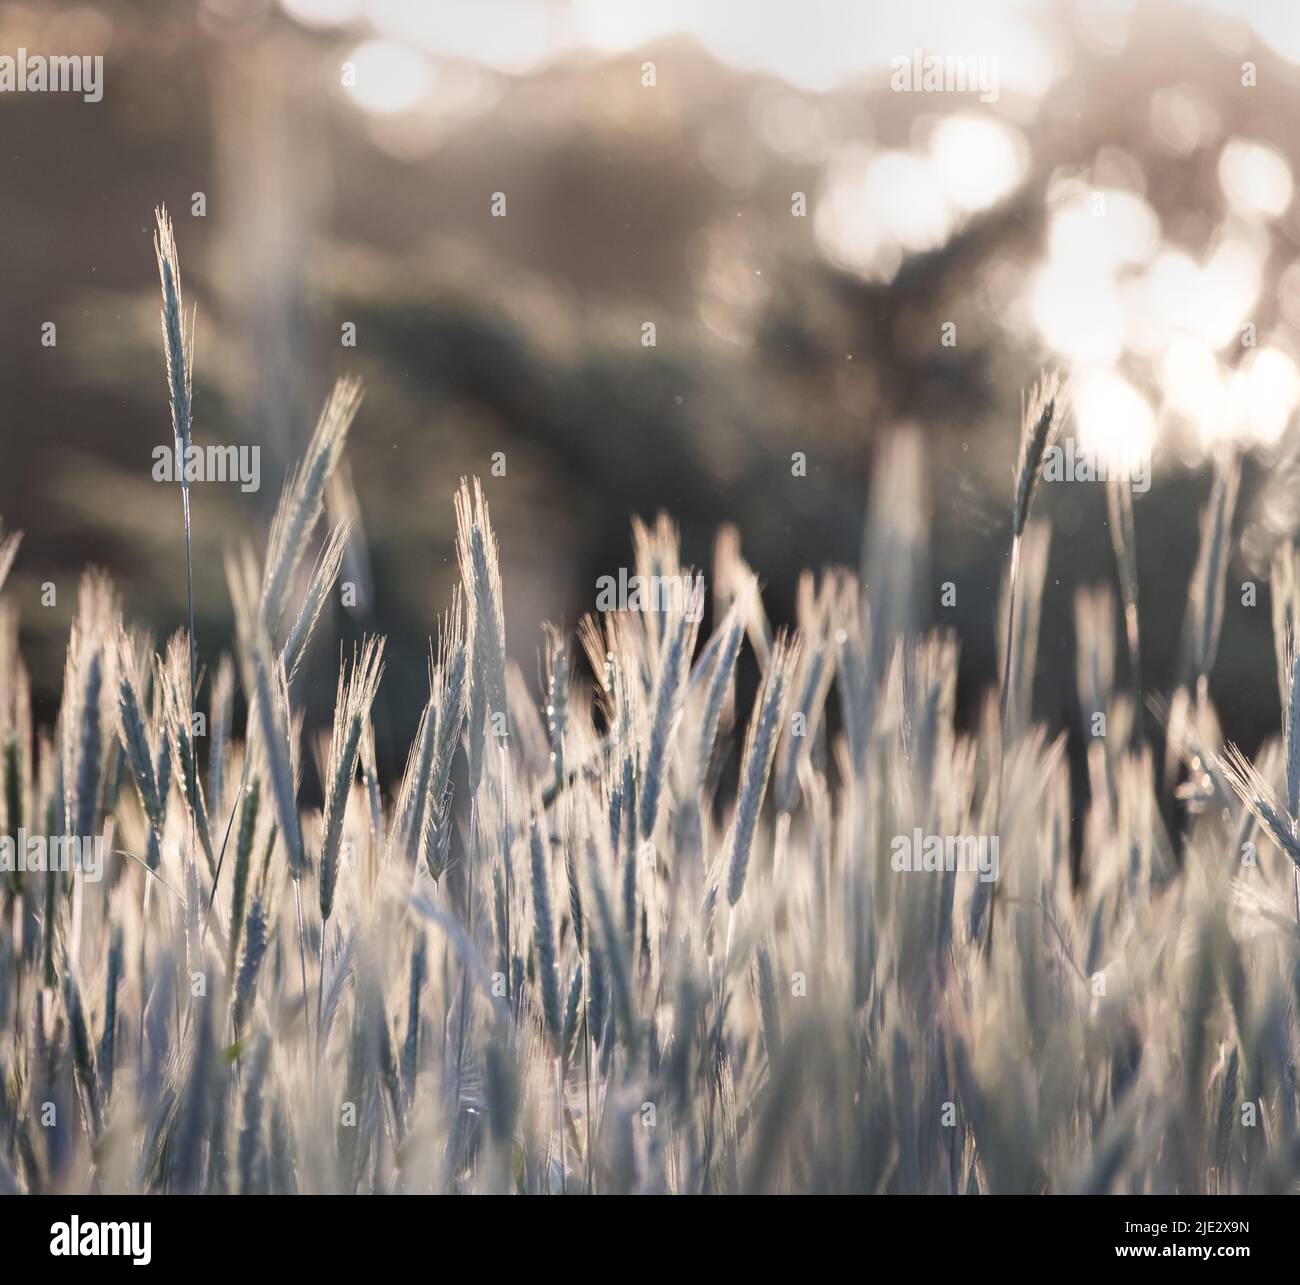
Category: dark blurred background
<point>673,203</point>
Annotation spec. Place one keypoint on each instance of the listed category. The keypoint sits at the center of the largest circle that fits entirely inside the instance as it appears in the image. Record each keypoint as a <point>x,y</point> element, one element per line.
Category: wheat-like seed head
<point>1041,420</point>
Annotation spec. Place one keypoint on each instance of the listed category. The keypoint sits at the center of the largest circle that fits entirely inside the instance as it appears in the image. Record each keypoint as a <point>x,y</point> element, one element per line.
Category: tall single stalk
<point>178,346</point>
<point>1040,423</point>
